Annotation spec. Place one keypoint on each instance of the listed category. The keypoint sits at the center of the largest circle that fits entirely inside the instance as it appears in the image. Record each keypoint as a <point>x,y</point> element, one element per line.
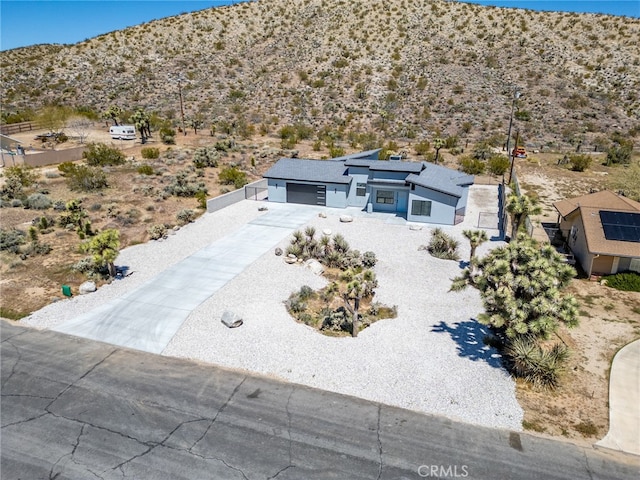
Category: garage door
<point>307,194</point>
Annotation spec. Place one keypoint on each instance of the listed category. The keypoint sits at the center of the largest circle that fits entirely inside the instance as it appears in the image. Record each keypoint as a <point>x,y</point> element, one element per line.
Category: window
<point>421,207</point>
<point>385,196</point>
<point>361,189</point>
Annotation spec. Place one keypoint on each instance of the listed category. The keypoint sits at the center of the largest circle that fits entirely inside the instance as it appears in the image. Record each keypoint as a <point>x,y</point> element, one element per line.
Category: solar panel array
<point>621,226</point>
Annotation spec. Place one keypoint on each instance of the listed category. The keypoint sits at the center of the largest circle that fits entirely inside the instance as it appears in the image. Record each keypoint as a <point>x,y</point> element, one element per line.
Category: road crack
<point>380,465</point>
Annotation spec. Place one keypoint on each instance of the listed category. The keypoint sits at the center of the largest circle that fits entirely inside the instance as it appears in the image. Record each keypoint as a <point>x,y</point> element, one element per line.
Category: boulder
<point>290,260</point>
<point>87,287</point>
<point>231,319</point>
<point>415,227</point>
<point>346,218</point>
<point>314,265</point>
<point>263,208</point>
<point>278,252</point>
<point>326,231</point>
<point>322,215</point>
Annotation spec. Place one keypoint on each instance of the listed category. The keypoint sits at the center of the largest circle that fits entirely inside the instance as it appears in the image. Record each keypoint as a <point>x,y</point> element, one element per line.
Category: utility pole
<point>516,96</point>
<point>184,130</point>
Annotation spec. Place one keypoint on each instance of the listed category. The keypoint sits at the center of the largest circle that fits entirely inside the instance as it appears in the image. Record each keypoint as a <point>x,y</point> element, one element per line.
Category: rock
<point>290,260</point>
<point>291,255</point>
<point>423,247</point>
<point>322,215</point>
<point>263,208</point>
<point>415,227</point>
<point>346,218</point>
<point>87,287</point>
<point>278,252</point>
<point>315,266</point>
<point>326,231</point>
<point>231,320</point>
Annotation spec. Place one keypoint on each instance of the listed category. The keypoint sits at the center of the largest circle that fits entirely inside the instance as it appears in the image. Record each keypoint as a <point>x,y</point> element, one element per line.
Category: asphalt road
<point>73,408</point>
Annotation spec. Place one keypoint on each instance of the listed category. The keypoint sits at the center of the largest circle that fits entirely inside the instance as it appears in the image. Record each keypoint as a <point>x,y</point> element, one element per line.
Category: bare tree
<point>80,128</point>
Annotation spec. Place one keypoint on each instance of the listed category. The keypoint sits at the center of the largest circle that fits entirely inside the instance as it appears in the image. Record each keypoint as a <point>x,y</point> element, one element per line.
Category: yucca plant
<point>443,246</point>
<point>537,365</point>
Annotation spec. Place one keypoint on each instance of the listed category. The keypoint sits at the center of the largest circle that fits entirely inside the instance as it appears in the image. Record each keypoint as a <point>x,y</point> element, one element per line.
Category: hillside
<point>407,68</point>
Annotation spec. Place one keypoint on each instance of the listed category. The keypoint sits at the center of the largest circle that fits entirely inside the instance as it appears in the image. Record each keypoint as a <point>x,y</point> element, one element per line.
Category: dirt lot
<point>609,319</point>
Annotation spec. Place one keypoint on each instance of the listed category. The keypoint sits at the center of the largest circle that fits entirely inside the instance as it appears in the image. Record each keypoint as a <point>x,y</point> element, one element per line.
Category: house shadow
<point>470,337</point>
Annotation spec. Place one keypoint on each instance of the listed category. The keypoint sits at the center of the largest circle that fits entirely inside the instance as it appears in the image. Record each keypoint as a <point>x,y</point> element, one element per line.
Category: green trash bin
<point>66,290</point>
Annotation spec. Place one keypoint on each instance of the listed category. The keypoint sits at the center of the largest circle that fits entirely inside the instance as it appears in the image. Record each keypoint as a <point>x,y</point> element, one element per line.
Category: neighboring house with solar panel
<point>603,231</point>
<point>418,191</point>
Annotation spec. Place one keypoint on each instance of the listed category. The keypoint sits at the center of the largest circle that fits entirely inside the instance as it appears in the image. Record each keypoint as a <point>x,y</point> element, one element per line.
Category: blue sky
<point>28,22</point>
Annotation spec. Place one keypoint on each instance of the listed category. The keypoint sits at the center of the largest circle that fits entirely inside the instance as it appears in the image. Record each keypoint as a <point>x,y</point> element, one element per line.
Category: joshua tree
<point>521,207</point>
<point>142,122</point>
<point>104,249</point>
<point>476,238</point>
<point>438,143</point>
<point>358,286</point>
<point>113,113</point>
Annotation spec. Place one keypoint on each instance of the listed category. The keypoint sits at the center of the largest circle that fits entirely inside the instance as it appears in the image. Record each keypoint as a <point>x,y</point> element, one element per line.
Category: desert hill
<point>407,68</point>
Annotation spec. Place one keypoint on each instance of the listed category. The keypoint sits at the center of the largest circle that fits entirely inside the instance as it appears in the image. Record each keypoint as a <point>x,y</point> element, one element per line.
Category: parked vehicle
<point>123,132</point>
<point>519,152</point>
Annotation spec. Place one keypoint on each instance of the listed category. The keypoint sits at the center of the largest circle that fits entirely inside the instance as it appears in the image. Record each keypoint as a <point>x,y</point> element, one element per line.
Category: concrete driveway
<point>147,317</point>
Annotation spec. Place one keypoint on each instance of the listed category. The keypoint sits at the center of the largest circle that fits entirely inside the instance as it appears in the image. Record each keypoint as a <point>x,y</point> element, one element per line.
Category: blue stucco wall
<point>443,206</point>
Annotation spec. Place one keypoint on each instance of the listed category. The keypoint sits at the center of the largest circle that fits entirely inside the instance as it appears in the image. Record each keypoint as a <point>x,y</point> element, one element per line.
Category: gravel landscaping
<point>430,358</point>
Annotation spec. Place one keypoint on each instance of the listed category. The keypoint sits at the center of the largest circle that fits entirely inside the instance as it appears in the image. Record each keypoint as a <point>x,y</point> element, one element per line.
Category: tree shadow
<point>469,336</point>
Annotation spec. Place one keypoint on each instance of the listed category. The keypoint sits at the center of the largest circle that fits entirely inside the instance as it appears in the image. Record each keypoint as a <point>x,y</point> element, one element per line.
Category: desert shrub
<point>16,203</point>
<point>451,141</point>
<point>145,169</point>
<point>579,163</point>
<point>369,259</point>
<point>627,282</point>
<point>25,175</point>
<point>11,239</point>
<point>233,176</point>
<point>471,166</point>
<point>16,179</point>
<point>498,164</point>
<point>202,199</point>
<point>100,154</point>
<point>336,151</point>
<point>306,293</point>
<point>158,231</point>
<point>83,178</point>
<point>185,216</point>
<point>150,153</point>
<point>37,248</point>
<point>443,246</point>
<point>167,135</point>
<point>522,115</point>
<point>482,151</point>
<point>225,145</point>
<point>38,201</point>
<point>587,428</point>
<point>537,365</point>
<point>182,185</point>
<point>422,147</point>
<point>206,157</point>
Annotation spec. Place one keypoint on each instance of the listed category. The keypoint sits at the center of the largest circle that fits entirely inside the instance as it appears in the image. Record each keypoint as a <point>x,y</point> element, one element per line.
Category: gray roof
<point>327,171</point>
<point>386,165</point>
<point>370,154</point>
<point>442,179</point>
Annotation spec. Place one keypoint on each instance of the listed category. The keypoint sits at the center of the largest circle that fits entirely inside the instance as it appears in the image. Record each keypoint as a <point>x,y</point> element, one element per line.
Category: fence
<point>218,203</point>
<point>18,127</point>
<point>257,190</point>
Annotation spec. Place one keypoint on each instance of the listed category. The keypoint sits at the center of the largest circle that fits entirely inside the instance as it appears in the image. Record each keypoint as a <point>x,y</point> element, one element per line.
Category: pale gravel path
<point>431,358</point>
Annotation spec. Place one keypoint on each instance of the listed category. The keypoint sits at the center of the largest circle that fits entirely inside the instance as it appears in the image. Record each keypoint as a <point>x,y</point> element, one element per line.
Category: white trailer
<point>123,132</point>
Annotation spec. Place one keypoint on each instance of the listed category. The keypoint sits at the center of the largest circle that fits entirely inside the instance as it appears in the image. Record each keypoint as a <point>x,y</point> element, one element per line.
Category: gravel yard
<point>430,359</point>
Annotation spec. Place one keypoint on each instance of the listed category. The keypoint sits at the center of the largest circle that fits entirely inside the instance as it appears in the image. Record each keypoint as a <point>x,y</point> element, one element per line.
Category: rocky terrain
<point>404,69</point>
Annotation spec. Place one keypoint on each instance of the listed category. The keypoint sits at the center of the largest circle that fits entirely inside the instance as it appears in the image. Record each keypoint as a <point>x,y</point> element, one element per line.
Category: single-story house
<point>603,231</point>
<point>419,191</point>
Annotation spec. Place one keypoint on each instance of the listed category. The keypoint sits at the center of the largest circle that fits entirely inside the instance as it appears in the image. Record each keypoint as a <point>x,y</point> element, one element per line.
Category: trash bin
<point>66,290</point>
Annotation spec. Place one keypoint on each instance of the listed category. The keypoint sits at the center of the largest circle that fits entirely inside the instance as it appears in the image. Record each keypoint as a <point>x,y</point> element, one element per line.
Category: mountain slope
<point>410,66</point>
